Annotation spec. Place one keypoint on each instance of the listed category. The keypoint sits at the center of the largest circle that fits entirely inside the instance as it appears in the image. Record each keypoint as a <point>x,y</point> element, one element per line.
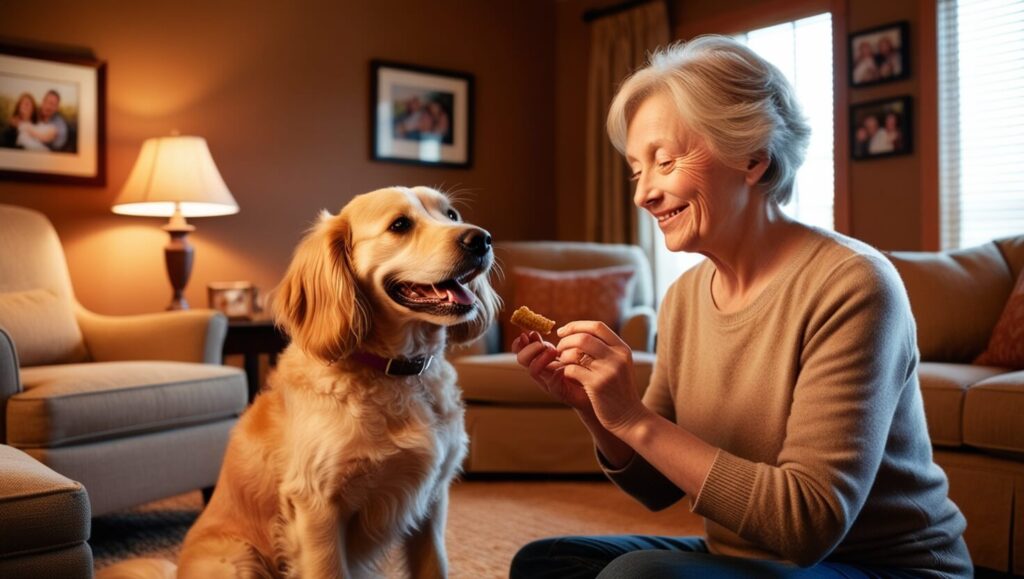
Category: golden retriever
<point>351,448</point>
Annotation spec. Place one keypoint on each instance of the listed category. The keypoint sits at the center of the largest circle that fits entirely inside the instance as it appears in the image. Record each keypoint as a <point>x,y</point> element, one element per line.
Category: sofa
<point>135,408</point>
<point>975,413</point>
<point>514,427</point>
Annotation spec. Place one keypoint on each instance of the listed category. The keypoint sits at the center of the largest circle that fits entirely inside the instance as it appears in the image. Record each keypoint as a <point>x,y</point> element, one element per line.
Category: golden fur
<point>335,461</point>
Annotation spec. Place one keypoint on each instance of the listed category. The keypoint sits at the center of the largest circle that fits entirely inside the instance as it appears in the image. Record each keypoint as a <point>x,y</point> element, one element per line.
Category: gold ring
<point>584,359</point>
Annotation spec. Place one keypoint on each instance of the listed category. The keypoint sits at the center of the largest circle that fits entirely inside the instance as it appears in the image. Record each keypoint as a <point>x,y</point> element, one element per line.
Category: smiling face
<point>696,199</point>
<point>51,102</point>
<point>26,109</point>
<point>415,256</point>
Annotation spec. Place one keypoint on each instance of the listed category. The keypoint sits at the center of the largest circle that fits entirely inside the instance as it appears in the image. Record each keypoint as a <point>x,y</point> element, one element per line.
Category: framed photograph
<point>879,54</point>
<point>235,299</point>
<point>52,117</point>
<point>421,115</point>
<point>881,128</point>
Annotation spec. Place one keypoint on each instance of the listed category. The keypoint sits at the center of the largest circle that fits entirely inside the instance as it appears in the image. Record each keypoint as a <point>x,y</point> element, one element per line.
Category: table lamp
<point>175,177</point>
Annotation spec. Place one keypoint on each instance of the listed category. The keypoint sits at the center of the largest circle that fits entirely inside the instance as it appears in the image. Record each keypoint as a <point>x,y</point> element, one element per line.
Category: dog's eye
<point>401,225</point>
<point>453,215</point>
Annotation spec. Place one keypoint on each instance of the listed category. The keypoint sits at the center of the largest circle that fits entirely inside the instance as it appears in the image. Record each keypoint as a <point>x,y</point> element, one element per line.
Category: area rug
<point>487,522</point>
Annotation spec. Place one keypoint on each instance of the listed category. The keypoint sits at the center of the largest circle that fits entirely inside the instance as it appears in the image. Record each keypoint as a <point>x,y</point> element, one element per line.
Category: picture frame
<point>879,55</point>
<point>881,128</point>
<point>421,115</point>
<point>52,117</point>
<point>235,299</point>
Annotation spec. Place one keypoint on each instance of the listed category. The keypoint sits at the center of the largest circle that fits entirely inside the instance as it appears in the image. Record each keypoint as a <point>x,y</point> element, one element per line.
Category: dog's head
<point>392,259</point>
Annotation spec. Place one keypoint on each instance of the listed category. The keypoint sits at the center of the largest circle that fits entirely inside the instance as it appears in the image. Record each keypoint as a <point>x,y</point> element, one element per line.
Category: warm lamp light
<point>175,177</point>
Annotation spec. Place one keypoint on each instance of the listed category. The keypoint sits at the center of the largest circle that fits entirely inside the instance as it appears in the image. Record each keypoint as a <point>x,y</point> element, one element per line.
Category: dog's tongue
<point>458,293</point>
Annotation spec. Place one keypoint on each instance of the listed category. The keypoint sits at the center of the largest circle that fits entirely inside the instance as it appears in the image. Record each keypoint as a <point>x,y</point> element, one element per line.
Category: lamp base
<point>178,253</point>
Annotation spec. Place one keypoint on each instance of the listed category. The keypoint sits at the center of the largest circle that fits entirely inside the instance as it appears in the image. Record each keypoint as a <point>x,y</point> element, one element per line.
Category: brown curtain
<point>619,44</point>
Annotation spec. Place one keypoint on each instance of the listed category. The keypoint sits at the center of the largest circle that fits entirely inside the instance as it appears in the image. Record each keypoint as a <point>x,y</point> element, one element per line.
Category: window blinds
<point>981,120</point>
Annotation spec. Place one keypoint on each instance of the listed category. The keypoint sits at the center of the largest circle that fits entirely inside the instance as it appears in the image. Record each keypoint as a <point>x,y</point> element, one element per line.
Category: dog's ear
<point>489,302</point>
<point>318,303</point>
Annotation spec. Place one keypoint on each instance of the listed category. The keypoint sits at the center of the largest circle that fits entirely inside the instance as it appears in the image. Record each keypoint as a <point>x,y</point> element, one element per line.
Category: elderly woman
<point>784,401</point>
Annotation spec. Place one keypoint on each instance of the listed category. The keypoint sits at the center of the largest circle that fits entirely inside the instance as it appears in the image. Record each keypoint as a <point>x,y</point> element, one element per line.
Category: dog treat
<point>529,320</point>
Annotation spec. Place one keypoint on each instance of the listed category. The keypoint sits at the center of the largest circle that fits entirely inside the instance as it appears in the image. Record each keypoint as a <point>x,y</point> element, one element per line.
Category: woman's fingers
<point>596,329</point>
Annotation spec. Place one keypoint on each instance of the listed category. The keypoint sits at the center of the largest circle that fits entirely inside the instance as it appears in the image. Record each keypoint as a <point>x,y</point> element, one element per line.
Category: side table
<point>250,338</point>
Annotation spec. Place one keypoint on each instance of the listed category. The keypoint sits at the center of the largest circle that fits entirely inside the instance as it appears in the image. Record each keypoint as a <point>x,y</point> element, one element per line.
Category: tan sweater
<point>811,393</point>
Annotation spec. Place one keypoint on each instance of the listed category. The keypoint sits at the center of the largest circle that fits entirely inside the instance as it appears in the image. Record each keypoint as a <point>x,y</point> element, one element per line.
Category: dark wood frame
<point>375,69</point>
<point>99,177</point>
<point>904,32</point>
<point>907,126</point>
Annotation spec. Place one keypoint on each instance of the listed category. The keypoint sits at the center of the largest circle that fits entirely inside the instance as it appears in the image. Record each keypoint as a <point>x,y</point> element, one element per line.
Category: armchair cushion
<point>596,294</point>
<point>42,325</point>
<point>76,403</point>
<point>40,509</point>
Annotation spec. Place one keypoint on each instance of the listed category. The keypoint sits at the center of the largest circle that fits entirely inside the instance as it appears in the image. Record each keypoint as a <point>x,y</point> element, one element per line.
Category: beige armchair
<point>513,427</point>
<point>135,408</point>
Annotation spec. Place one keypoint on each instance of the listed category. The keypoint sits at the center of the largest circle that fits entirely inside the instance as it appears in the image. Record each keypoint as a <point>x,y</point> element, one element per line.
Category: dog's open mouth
<point>450,297</point>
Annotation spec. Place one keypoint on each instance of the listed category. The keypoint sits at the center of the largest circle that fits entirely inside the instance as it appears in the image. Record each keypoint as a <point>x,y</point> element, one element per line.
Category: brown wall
<point>280,91</point>
<point>882,201</point>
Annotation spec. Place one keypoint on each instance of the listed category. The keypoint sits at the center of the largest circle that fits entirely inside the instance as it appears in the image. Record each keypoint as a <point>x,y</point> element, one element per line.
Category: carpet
<point>488,521</point>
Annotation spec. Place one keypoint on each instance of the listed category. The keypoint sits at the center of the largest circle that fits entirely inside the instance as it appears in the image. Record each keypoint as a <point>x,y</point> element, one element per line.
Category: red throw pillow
<point>594,294</point>
<point>1006,346</point>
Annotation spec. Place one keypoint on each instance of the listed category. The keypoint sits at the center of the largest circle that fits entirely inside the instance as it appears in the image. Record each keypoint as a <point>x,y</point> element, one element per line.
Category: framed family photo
<point>881,128</point>
<point>421,115</point>
<point>879,54</point>
<point>52,117</point>
<point>235,299</point>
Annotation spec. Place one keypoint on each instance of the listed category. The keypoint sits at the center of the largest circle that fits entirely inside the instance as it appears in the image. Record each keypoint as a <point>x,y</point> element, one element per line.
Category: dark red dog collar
<point>394,366</point>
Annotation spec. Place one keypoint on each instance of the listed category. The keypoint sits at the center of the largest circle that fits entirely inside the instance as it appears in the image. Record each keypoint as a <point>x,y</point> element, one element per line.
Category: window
<point>981,120</point>
<point>802,50</point>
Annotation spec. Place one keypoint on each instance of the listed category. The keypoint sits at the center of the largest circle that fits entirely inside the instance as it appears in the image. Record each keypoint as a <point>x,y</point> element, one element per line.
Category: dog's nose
<point>477,242</point>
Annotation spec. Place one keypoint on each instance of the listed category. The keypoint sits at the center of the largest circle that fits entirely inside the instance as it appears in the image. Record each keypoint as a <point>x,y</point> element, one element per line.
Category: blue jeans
<point>648,557</point>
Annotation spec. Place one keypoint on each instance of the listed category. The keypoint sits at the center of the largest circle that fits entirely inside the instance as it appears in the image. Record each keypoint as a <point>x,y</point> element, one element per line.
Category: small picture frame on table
<point>235,299</point>
<point>879,55</point>
<point>52,117</point>
<point>881,128</point>
<point>421,115</point>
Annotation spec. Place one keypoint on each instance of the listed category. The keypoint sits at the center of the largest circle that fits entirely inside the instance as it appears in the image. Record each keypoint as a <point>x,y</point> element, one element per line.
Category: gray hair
<point>740,105</point>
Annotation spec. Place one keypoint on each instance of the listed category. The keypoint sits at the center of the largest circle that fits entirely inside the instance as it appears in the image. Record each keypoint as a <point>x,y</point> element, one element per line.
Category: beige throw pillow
<point>595,294</point>
<point>43,327</point>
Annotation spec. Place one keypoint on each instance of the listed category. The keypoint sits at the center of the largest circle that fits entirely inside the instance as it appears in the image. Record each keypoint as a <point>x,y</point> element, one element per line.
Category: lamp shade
<point>176,170</point>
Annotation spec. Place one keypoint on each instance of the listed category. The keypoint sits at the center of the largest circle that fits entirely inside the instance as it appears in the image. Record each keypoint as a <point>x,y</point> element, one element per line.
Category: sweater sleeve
<point>638,478</point>
<point>858,354</point>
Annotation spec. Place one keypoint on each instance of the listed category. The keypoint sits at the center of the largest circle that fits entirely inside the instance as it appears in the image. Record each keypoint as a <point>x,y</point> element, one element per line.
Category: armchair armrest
<point>638,326</point>
<point>182,336</point>
<point>10,382</point>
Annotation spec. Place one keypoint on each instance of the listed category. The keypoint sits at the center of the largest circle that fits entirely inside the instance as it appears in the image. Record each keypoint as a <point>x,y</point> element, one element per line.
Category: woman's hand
<point>595,357</point>
<point>541,359</point>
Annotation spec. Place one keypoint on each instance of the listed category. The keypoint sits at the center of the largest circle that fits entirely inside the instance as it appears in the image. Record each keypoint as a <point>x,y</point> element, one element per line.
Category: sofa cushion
<point>40,509</point>
<point>595,294</point>
<point>74,403</point>
<point>993,411</point>
<point>956,298</point>
<point>943,388</point>
<point>42,325</point>
<point>499,378</point>
<point>1006,346</point>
